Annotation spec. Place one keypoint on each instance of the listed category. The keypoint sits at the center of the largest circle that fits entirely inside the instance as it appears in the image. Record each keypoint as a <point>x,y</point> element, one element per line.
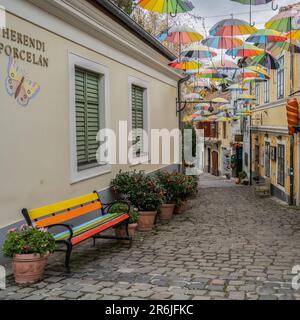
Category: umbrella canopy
<point>185,64</point>
<point>265,60</point>
<point>219,100</point>
<point>188,118</point>
<point>202,113</point>
<point>224,65</point>
<point>265,36</point>
<point>222,42</point>
<point>231,28</point>
<point>202,106</point>
<point>210,74</point>
<point>195,51</point>
<point>288,45</point>
<point>180,35</point>
<point>247,97</point>
<point>283,21</point>
<point>247,50</point>
<point>166,6</point>
<point>294,35</point>
<point>259,70</point>
<point>192,96</point>
<point>237,87</point>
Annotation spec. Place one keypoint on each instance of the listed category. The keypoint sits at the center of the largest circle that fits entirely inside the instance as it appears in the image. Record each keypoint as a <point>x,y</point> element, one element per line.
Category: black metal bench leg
<point>68,255</point>
<point>127,233</point>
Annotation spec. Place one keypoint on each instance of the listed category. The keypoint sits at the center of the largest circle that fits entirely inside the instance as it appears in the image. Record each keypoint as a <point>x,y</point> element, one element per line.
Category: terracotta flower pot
<point>121,232</point>
<point>146,220</point>
<point>166,212</point>
<point>179,209</point>
<point>237,181</point>
<point>28,268</point>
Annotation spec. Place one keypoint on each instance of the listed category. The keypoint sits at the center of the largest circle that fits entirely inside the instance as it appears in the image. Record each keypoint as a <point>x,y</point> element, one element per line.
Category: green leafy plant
<point>143,191</point>
<point>28,240</point>
<point>242,175</point>
<point>168,182</point>
<point>121,208</point>
<point>185,187</point>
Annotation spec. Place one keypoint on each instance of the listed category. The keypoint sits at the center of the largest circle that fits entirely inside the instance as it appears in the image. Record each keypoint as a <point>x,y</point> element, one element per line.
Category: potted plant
<point>166,180</point>
<point>143,192</point>
<point>132,223</point>
<point>29,248</point>
<point>243,177</point>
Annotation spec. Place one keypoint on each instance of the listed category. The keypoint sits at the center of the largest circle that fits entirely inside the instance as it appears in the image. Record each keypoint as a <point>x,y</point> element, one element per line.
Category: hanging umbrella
<point>246,97</point>
<point>225,107</point>
<point>247,50</point>
<point>231,28</point>
<point>289,45</point>
<point>255,3</point>
<point>193,96</point>
<point>202,106</point>
<point>224,65</point>
<point>237,87</point>
<point>184,64</point>
<point>219,100</point>
<point>265,36</point>
<point>283,21</point>
<point>222,42</point>
<point>265,60</point>
<point>294,35</point>
<point>180,35</point>
<point>188,118</point>
<point>210,74</point>
<point>166,6</point>
<point>259,70</point>
<point>202,113</point>
<point>195,51</point>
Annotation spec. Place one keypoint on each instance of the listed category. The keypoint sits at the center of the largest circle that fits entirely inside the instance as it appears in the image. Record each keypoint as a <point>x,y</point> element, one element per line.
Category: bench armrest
<point>68,226</point>
<point>107,206</point>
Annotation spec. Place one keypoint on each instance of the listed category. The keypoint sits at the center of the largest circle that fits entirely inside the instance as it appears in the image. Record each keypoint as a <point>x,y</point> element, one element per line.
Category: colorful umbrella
<point>195,51</point>
<point>180,35</point>
<point>188,118</point>
<point>224,65</point>
<point>265,60</point>
<point>247,97</point>
<point>184,64</point>
<point>231,28</point>
<point>219,100</point>
<point>222,42</point>
<point>294,35</point>
<point>259,70</point>
<point>202,113</point>
<point>255,3</point>
<point>193,96</point>
<point>265,36</point>
<point>283,21</point>
<point>247,50</point>
<point>202,106</point>
<point>289,45</point>
<point>237,87</point>
<point>210,74</point>
<point>167,6</point>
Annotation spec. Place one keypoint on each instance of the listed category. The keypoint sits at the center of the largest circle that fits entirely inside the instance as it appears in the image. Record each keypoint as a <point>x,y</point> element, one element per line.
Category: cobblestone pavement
<point>228,245</point>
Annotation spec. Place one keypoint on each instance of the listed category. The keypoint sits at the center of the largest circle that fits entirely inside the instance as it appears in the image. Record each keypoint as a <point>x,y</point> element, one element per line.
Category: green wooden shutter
<point>138,117</point>
<point>87,116</point>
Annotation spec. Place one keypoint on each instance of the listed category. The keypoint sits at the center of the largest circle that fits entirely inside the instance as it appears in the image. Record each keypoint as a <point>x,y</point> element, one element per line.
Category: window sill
<point>90,173</point>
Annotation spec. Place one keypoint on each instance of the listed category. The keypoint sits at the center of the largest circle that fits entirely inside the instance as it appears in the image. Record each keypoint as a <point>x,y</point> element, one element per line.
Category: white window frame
<point>133,81</point>
<point>267,140</point>
<point>267,91</point>
<point>76,60</point>
<point>279,186</point>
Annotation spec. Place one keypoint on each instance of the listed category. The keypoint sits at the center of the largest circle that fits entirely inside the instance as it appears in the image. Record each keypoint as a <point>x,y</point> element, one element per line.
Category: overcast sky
<point>209,8</point>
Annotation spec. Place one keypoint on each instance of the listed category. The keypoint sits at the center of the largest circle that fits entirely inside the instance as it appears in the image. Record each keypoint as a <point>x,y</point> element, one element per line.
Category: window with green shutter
<point>87,116</point>
<point>137,118</point>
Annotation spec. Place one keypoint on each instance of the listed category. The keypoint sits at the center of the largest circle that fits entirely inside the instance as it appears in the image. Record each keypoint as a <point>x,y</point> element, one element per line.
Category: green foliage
<point>242,175</point>
<point>140,189</point>
<point>168,182</point>
<point>125,5</point>
<point>121,208</point>
<point>28,240</point>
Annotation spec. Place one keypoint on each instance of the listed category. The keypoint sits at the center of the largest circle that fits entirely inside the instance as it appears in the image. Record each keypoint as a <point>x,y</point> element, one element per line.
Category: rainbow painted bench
<point>76,220</point>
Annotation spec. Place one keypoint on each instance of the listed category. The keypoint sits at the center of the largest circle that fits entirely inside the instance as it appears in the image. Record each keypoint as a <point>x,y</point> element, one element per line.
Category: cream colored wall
<point>35,141</point>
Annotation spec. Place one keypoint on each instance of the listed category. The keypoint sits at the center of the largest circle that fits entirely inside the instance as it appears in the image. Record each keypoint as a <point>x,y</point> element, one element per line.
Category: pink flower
<point>12,230</point>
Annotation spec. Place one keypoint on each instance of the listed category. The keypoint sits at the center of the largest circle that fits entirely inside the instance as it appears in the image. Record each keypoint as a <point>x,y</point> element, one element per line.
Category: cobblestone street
<point>228,245</point>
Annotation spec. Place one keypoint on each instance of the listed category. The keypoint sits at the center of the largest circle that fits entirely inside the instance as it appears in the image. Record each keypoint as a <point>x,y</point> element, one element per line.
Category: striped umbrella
<point>237,87</point>
<point>222,42</point>
<point>255,3</point>
<point>294,35</point>
<point>283,21</point>
<point>266,60</point>
<point>224,65</point>
<point>219,100</point>
<point>231,28</point>
<point>185,64</point>
<point>195,51</point>
<point>180,35</point>
<point>259,70</point>
<point>265,36</point>
<point>247,50</point>
<point>202,106</point>
<point>246,97</point>
<point>210,74</point>
<point>193,96</point>
<point>167,6</point>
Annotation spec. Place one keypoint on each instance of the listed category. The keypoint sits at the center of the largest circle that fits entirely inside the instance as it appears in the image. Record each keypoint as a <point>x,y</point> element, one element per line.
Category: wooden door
<point>215,163</point>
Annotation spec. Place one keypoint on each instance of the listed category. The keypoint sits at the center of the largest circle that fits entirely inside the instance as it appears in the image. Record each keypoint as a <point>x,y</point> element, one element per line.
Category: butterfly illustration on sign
<point>18,85</point>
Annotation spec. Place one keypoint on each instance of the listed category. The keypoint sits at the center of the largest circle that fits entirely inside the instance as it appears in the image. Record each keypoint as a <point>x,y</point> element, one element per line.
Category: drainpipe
<point>250,152</point>
<point>291,202</point>
<point>180,109</point>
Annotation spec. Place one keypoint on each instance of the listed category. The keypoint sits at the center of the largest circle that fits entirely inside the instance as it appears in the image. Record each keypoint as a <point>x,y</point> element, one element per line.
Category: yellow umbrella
<point>259,70</point>
<point>247,97</point>
<point>185,64</point>
<point>219,100</point>
<point>294,35</point>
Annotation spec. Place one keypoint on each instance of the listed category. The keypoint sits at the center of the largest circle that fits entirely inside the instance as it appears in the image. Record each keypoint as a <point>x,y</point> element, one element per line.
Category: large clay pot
<point>28,268</point>
<point>166,212</point>
<point>180,209</point>
<point>146,220</point>
<point>121,232</point>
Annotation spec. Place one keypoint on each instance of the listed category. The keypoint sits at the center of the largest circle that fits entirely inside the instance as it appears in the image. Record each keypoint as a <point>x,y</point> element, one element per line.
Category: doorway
<point>215,163</point>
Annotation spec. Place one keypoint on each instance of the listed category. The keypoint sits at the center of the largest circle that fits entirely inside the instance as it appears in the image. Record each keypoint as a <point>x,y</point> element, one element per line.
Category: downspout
<point>250,152</point>
<point>179,109</point>
<point>291,200</point>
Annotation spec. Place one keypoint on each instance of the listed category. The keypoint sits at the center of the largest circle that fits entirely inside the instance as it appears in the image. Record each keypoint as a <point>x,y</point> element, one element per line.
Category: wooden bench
<point>93,217</point>
<point>262,187</point>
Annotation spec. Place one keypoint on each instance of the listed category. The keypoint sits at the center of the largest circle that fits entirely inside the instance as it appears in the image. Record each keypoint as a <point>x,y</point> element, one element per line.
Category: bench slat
<point>93,232</point>
<point>69,215</point>
<point>61,206</point>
